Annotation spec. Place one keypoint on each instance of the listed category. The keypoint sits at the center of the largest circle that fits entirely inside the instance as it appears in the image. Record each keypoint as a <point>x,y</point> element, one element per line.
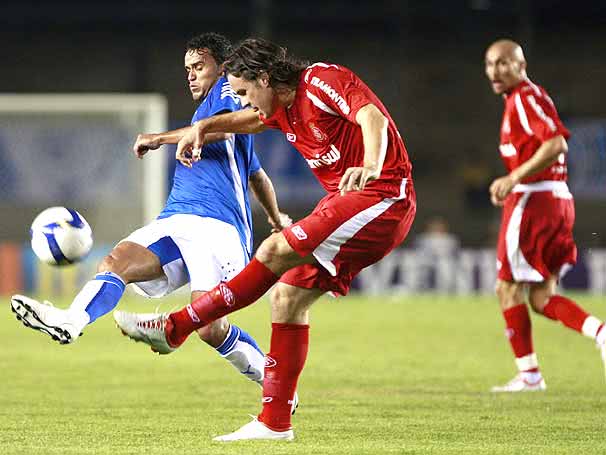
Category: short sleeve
<point>541,117</point>
<point>338,91</point>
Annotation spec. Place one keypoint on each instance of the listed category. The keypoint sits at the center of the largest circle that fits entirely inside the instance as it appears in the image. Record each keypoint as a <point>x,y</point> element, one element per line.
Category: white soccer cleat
<point>520,384</point>
<point>601,345</point>
<point>146,327</point>
<point>256,430</point>
<point>62,326</point>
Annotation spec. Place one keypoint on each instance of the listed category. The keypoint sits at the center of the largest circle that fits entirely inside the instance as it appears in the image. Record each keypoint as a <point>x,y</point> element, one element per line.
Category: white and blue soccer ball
<point>61,236</point>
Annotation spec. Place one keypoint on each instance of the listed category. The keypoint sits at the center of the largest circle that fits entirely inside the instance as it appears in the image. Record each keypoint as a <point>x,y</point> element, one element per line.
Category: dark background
<point>423,58</point>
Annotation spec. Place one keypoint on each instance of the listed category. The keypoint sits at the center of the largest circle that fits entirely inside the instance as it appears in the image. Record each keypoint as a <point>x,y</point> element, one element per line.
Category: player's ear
<point>263,79</point>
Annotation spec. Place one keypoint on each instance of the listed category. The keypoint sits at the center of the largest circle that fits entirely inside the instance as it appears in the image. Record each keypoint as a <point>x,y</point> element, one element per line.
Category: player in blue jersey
<point>203,236</point>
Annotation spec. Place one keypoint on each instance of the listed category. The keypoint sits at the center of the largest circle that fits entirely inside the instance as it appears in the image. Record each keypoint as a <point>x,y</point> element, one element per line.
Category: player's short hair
<point>218,45</point>
<point>255,56</point>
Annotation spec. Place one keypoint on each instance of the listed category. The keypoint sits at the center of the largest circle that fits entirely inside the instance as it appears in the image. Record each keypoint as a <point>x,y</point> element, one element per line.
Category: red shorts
<point>347,233</point>
<point>535,240</point>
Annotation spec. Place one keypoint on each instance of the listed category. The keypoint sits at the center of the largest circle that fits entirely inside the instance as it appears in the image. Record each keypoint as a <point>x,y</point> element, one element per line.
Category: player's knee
<point>274,248</point>
<point>538,299</point>
<point>508,294</point>
<point>214,333</point>
<point>110,263</point>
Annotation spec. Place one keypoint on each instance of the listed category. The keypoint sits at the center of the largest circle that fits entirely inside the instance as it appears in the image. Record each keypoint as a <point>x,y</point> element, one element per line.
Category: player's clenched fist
<point>145,143</point>
<point>189,147</point>
<point>500,189</point>
<point>356,178</point>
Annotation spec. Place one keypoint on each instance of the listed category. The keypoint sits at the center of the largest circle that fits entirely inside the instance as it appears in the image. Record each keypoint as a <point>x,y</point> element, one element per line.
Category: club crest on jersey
<point>319,135</point>
<point>270,362</point>
<point>291,137</point>
<point>228,296</point>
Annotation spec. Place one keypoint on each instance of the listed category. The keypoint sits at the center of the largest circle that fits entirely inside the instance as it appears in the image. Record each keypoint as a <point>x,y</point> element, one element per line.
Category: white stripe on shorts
<point>329,248</point>
<point>521,270</point>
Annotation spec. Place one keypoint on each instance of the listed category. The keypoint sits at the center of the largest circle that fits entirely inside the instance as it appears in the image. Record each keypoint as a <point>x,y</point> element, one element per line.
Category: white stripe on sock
<point>591,326</point>
<point>527,362</point>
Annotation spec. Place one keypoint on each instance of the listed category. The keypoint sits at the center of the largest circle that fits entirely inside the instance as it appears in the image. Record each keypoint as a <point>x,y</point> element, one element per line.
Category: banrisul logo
<point>270,362</point>
<point>332,156</point>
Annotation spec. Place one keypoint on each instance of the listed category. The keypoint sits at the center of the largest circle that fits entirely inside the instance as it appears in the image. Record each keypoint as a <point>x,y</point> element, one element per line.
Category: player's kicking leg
<point>126,263</point>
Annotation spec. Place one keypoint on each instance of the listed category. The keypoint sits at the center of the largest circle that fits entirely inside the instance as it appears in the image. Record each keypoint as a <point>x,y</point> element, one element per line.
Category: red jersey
<point>321,125</point>
<point>530,118</point>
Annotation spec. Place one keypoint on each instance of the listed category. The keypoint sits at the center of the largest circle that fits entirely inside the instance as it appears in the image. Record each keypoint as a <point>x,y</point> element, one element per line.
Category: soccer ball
<point>61,236</point>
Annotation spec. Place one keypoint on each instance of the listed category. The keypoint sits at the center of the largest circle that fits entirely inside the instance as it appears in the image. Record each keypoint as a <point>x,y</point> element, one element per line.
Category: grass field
<point>384,375</point>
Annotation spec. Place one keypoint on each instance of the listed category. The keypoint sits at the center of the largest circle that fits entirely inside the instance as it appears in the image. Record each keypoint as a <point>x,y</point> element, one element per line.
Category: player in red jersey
<point>355,150</point>
<point>535,246</point>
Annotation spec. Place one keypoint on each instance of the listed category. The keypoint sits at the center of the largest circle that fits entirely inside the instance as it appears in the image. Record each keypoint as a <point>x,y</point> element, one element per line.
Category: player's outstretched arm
<point>263,189</point>
<point>546,155</point>
<point>374,133</point>
<point>190,145</point>
<point>152,141</point>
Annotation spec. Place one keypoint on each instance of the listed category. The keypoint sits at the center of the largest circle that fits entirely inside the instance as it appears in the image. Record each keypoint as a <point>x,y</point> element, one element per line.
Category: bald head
<point>505,65</point>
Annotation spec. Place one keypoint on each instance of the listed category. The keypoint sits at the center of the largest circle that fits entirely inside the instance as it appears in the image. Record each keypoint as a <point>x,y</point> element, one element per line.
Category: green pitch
<point>384,375</point>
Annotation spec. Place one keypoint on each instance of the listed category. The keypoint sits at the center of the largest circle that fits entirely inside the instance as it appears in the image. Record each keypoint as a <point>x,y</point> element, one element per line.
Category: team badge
<point>291,137</point>
<point>319,135</point>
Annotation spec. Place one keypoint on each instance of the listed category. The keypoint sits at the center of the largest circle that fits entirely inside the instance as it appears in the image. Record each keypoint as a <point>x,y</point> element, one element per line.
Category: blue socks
<point>100,295</point>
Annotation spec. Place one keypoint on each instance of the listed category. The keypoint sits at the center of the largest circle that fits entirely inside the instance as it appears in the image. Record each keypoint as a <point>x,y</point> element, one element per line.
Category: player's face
<point>202,72</point>
<point>503,70</point>
<point>256,94</point>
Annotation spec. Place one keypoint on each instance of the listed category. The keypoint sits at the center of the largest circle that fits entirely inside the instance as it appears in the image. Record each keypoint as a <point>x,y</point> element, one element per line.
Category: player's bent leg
<point>546,301</point>
<point>126,263</point>
<point>518,330</point>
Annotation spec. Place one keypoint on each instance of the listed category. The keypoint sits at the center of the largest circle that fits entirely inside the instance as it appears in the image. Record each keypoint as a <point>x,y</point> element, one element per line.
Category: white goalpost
<point>75,150</point>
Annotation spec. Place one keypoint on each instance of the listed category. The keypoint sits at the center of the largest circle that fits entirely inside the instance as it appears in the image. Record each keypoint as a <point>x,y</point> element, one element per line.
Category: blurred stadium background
<point>423,58</point>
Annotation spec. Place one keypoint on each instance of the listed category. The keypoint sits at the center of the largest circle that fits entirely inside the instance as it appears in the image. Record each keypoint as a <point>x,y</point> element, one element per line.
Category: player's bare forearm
<point>172,137</point>
<point>264,192</point>
<point>189,147</point>
<point>545,156</point>
<point>374,135</point>
<point>245,121</point>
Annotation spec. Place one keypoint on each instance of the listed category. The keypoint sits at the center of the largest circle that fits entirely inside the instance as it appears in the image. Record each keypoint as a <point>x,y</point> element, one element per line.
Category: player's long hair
<point>255,56</point>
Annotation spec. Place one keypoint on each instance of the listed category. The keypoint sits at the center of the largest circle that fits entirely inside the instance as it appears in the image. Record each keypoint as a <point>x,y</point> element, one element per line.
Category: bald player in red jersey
<point>353,147</point>
<point>535,246</point>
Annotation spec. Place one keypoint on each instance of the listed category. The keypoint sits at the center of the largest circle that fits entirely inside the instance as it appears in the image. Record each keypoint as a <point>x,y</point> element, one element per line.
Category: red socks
<point>242,290</point>
<point>566,311</point>
<point>519,332</point>
<point>283,364</point>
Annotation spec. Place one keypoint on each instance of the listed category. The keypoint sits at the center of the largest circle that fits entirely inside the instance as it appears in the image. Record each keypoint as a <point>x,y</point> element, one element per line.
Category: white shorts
<point>201,251</point>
